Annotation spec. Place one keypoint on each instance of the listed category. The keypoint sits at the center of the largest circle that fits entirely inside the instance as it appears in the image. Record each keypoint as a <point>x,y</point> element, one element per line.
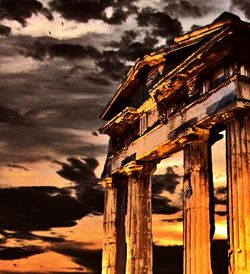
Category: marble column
<point>139,219</point>
<point>197,188</point>
<point>114,246</point>
<point>238,179</point>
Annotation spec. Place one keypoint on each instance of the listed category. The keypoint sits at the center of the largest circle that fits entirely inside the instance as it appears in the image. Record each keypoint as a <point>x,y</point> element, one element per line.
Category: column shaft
<point>197,217</point>
<point>114,246</point>
<point>238,179</point>
<point>139,220</point>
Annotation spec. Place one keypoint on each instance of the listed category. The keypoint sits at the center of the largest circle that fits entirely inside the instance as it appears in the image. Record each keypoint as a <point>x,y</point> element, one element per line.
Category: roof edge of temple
<point>156,57</point>
<point>222,20</point>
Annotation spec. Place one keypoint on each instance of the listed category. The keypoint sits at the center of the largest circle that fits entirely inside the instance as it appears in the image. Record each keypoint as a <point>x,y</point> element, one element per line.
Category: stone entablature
<point>212,65</point>
<point>169,133</point>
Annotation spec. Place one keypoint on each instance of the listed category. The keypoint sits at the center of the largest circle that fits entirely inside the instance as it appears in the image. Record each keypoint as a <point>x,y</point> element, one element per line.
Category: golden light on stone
<point>172,100</point>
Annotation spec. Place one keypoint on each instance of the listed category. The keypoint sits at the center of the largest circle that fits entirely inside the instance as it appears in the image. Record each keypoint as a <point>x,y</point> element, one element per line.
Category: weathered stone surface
<point>238,177</point>
<point>169,102</point>
<point>114,246</point>
<point>196,197</point>
<point>139,219</point>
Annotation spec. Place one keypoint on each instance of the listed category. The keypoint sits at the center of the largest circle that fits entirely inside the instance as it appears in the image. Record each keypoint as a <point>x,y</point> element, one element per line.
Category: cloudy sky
<point>61,60</point>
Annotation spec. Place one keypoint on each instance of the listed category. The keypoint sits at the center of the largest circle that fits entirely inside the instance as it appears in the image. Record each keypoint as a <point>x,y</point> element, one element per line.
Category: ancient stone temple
<point>177,99</point>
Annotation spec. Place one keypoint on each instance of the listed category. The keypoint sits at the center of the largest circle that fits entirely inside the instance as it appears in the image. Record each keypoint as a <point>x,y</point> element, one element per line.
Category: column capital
<point>138,166</point>
<point>236,115</point>
<point>112,180</point>
<point>105,182</point>
<point>202,133</point>
<point>244,115</point>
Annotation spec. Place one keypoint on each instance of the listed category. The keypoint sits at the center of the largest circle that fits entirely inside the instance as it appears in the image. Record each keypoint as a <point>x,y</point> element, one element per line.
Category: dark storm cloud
<point>94,78</point>
<point>73,60</point>
<point>25,251</point>
<point>37,51</point>
<point>77,114</point>
<point>166,182</point>
<point>173,220</point>
<point>24,209</point>
<point>51,103</point>
<point>83,257</point>
<point>163,205</point>
<point>20,11</point>
<point>220,197</point>
<point>243,5</point>
<point>81,11</point>
<point>41,208</point>
<point>112,65</point>
<point>121,11</point>
<point>81,172</point>
<point>27,235</point>
<point>74,70</point>
<point>118,17</point>
<point>221,212</point>
<point>97,79</point>
<point>38,208</point>
<point>46,123</point>
<point>73,51</point>
<point>183,8</point>
<point>161,23</point>
<point>14,166</point>
<point>12,116</point>
<point>150,41</point>
<point>13,253</point>
<point>113,62</point>
<point>84,10</point>
<point>221,190</point>
<point>130,49</point>
<point>41,50</point>
<point>127,38</point>
<point>5,30</point>
<point>37,144</point>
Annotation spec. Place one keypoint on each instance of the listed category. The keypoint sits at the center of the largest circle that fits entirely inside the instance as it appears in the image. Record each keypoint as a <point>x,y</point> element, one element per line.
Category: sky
<point>60,63</point>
